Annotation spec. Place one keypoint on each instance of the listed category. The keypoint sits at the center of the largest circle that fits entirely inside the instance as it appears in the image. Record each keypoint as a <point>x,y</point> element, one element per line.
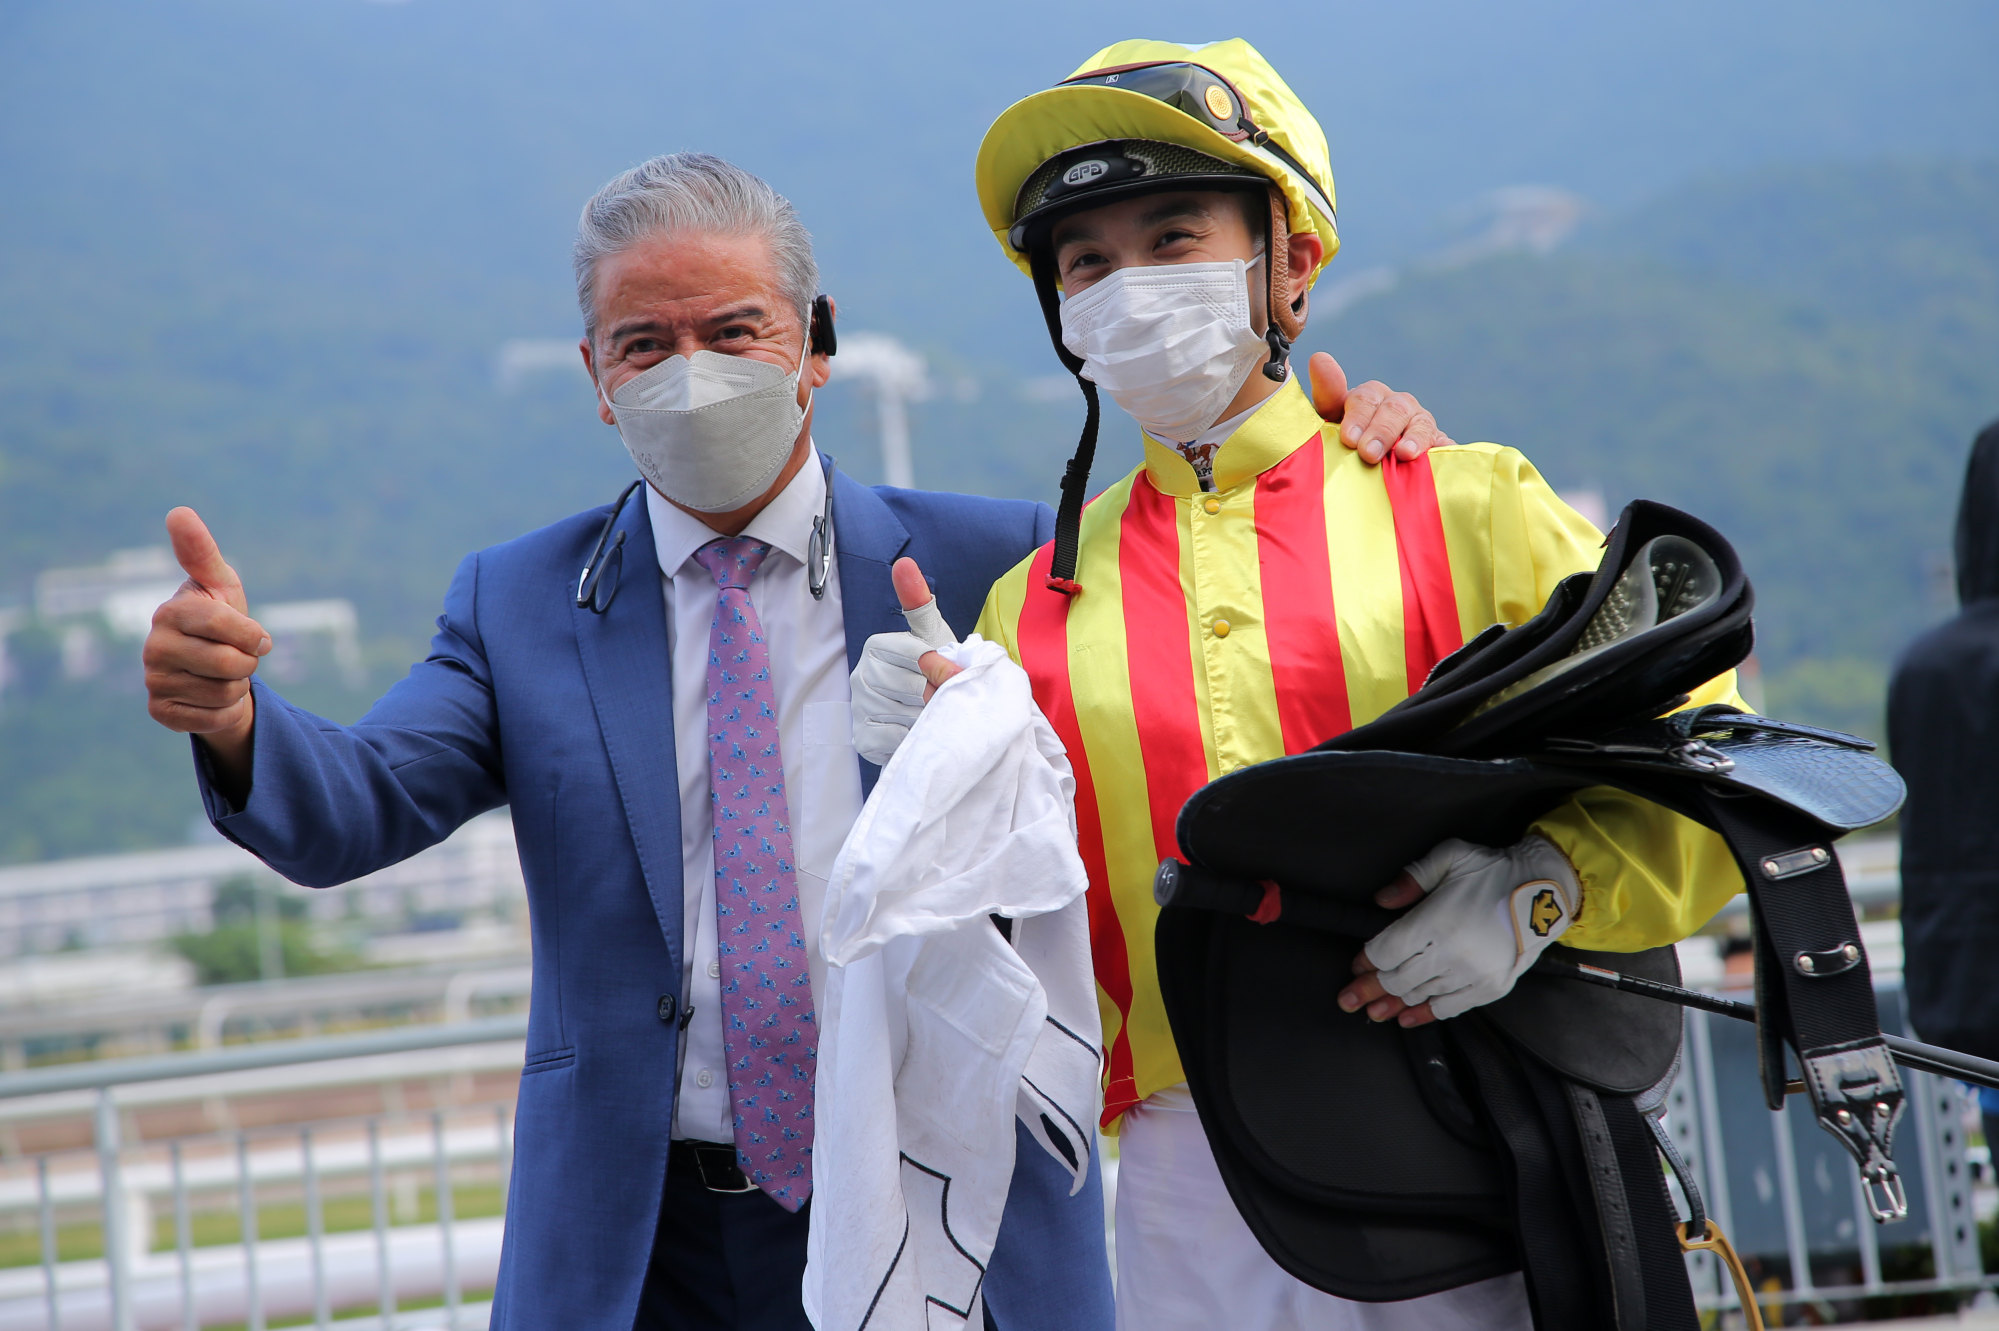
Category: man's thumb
<point>919,607</point>
<point>910,588</point>
<point>1329,386</point>
<point>200,557</point>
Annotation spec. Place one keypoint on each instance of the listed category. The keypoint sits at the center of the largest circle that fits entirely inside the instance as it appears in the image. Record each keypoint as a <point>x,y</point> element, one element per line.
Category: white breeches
<point>1187,1262</point>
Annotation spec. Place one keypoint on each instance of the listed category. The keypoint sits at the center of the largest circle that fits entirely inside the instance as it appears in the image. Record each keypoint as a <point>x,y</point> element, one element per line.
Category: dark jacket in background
<point>1943,731</point>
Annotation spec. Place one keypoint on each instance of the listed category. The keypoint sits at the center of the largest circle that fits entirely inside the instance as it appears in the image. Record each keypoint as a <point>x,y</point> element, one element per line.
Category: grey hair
<point>691,192</point>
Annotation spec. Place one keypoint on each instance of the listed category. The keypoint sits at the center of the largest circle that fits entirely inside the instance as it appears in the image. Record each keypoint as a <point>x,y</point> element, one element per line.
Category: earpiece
<point>824,341</point>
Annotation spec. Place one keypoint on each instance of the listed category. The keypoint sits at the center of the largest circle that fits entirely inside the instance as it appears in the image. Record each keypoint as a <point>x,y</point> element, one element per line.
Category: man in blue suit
<point>616,679</point>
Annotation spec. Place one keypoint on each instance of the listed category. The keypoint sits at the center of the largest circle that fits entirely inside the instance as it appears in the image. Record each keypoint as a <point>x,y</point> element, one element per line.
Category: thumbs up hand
<point>899,672</point>
<point>203,648</point>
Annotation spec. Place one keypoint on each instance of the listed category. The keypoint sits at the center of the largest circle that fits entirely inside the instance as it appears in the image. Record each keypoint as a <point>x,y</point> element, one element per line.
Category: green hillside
<point>1800,356</point>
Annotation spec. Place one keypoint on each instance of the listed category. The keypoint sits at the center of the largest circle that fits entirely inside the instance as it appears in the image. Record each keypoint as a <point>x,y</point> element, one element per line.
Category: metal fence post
<point>117,1257</point>
<point>48,1211</point>
<point>246,1203</point>
<point>503,1148</point>
<point>183,1243</point>
<point>1793,1202</point>
<point>385,1297</point>
<point>315,1228</point>
<point>444,1221</point>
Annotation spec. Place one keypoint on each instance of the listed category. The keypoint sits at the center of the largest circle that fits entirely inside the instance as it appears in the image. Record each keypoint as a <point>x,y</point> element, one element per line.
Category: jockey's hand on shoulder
<point>1373,418</point>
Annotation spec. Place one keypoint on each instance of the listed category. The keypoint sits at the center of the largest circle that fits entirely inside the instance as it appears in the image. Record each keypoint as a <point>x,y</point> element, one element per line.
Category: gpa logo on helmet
<point>1082,173</point>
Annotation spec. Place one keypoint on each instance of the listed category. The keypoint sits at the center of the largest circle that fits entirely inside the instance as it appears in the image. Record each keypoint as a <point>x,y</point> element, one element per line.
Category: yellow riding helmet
<point>1138,100</point>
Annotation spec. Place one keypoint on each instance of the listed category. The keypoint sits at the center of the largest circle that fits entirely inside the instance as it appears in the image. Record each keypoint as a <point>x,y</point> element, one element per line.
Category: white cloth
<point>934,1033</point>
<point>1187,1262</point>
<point>822,780</point>
<point>1486,916</point>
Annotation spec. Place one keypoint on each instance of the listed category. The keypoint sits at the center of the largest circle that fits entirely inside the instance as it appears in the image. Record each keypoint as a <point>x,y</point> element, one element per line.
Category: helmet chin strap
<point>1278,367</point>
<point>1076,477</point>
<point>1282,313</point>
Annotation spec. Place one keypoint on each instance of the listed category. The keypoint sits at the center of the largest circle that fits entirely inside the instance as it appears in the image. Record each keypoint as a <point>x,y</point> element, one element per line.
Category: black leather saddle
<point>1378,1163</point>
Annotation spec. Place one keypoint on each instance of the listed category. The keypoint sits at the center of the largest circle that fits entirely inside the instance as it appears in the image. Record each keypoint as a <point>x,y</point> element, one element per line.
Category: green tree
<point>259,934</point>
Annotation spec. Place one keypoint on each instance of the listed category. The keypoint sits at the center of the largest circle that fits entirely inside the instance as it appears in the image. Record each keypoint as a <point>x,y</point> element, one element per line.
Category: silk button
<point>1221,628</point>
<point>1212,504</point>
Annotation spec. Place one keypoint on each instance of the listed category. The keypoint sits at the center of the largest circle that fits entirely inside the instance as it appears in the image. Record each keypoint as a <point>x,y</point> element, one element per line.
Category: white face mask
<point>1172,343</point>
<point>710,432</point>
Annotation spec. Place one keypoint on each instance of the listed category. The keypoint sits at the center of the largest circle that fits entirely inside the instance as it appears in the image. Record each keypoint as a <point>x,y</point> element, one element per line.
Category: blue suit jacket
<point>566,716</point>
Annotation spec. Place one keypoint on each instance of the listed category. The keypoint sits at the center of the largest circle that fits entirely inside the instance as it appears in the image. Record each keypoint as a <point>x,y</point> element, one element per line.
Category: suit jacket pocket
<point>549,1058</point>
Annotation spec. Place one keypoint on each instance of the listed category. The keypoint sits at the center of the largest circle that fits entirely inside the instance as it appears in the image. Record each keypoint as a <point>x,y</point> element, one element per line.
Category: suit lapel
<point>867,540</point>
<point>629,672</point>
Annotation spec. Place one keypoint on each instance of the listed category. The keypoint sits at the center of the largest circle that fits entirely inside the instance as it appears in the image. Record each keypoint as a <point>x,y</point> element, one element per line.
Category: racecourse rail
<point>1782,1190</point>
<point>130,1288</point>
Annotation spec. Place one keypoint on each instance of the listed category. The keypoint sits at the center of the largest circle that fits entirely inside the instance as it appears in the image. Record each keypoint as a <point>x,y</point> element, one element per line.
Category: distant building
<point>148,896</point>
<point>91,610</point>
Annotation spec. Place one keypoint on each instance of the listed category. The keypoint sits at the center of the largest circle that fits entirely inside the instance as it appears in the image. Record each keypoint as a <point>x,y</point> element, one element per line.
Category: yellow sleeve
<point>1649,876</point>
<point>1511,538</point>
<point>1002,609</point>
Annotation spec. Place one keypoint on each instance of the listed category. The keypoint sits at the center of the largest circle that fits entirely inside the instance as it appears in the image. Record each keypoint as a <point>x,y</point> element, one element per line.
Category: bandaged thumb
<point>926,621</point>
<point>919,604</point>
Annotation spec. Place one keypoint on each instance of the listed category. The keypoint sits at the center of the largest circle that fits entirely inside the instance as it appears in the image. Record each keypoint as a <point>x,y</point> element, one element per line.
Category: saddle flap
<point>1368,1253</point>
<point>1343,825</point>
<point>1616,1042</point>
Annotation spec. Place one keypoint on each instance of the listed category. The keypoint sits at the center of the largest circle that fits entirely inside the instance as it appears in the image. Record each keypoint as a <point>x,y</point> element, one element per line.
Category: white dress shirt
<point>822,779</point>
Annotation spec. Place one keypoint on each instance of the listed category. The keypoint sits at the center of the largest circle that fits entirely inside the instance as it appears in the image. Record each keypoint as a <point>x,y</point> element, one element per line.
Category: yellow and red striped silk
<point>1305,596</point>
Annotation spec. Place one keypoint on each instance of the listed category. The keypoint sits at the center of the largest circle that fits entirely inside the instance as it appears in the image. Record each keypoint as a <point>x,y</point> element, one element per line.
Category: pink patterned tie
<point>768,1029</point>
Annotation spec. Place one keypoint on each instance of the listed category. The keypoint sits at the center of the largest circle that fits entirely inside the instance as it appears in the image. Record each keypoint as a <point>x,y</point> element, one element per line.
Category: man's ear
<point>590,368</point>
<point>1306,252</point>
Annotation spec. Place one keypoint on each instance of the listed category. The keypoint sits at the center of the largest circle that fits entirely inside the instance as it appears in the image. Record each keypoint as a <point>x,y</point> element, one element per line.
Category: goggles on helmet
<point>1193,90</point>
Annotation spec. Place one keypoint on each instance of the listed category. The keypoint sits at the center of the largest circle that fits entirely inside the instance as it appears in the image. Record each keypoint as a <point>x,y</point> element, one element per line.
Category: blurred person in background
<point>1249,590</point>
<point>663,1166</point>
<point>1943,737</point>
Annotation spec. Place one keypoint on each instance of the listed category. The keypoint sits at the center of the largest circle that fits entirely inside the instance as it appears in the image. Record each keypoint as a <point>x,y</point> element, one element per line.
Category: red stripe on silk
<point>1160,658</point>
<point>1043,637</point>
<point>1430,629</point>
<point>1298,620</point>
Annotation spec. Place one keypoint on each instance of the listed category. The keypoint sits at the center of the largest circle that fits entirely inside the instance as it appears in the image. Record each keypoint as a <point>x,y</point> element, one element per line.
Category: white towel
<point>934,1032</point>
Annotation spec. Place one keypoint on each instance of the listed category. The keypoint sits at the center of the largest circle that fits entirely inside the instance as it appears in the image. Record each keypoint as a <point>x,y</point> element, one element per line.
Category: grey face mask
<point>710,432</point>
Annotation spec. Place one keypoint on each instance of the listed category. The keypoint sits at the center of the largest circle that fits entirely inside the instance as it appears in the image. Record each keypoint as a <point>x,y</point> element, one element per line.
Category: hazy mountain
<point>262,259</point>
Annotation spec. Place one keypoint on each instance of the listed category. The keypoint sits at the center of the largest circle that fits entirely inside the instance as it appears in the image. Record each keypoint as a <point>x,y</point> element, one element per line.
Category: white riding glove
<point>888,686</point>
<point>1487,914</point>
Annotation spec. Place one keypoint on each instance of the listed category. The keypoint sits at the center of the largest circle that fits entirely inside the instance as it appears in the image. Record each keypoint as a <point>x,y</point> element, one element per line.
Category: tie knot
<point>733,560</point>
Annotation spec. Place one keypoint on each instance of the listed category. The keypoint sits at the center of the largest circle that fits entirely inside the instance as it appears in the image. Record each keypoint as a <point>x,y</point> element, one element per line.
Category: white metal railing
<point>395,1255</point>
<point>206,1017</point>
<point>1788,1196</point>
<point>144,896</point>
<point>1784,1191</point>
